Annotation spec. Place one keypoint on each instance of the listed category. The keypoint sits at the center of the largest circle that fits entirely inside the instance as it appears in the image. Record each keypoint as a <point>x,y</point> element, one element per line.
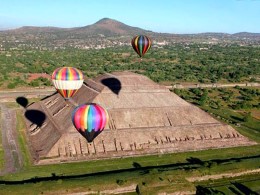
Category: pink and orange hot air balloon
<point>90,120</point>
<point>67,81</point>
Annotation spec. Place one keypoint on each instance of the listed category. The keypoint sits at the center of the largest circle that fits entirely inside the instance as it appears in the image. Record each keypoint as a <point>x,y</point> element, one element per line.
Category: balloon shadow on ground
<point>195,160</point>
<point>234,190</point>
<point>37,117</point>
<point>113,84</point>
<point>136,165</point>
<point>22,101</point>
<point>243,188</point>
<point>201,190</point>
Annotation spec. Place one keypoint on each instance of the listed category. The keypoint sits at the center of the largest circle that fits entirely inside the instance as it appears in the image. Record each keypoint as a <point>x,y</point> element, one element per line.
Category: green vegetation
<point>172,63</point>
<point>168,175</point>
<point>237,106</point>
<point>127,163</point>
<point>21,127</point>
<point>12,105</point>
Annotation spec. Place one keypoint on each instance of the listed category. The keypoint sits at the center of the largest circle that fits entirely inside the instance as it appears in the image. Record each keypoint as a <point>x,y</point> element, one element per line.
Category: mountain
<point>106,27</point>
<point>109,27</point>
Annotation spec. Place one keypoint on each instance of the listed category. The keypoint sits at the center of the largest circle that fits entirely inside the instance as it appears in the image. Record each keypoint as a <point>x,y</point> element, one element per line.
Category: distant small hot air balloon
<point>67,81</point>
<point>141,44</point>
<point>90,120</point>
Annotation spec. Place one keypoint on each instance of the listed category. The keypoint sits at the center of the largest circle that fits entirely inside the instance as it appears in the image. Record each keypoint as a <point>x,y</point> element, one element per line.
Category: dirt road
<point>213,85</point>
<point>13,156</point>
<point>26,93</point>
<point>223,175</point>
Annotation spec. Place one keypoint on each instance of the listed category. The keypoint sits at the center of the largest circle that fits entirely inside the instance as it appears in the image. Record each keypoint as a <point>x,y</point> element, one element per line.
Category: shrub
<point>11,85</point>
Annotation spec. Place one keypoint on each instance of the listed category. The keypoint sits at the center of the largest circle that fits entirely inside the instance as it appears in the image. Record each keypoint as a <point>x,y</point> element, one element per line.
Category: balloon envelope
<point>67,81</point>
<point>141,44</point>
<point>90,120</point>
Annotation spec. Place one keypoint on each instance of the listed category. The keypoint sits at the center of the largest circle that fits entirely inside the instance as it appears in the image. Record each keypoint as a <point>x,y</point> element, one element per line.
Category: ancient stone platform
<point>145,118</point>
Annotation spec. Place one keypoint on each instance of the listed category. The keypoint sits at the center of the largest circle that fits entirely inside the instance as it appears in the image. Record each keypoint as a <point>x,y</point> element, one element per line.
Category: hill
<point>109,27</point>
<point>106,27</point>
<point>246,34</point>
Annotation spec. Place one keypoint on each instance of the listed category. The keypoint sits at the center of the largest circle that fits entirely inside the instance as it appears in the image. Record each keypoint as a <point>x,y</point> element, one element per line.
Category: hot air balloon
<point>141,44</point>
<point>67,81</point>
<point>90,120</point>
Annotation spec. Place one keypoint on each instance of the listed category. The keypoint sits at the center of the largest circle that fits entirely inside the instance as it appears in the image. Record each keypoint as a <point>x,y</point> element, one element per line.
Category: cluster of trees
<point>233,98</point>
<point>236,105</point>
<point>175,63</point>
<point>247,96</point>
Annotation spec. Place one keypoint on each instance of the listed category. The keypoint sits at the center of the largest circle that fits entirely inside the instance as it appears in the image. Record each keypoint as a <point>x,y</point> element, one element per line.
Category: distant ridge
<point>111,27</point>
<point>109,33</point>
<point>35,29</point>
<point>247,34</point>
<point>105,27</point>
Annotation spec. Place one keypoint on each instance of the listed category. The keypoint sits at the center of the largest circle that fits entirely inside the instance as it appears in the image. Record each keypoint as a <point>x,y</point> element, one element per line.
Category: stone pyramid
<point>145,118</point>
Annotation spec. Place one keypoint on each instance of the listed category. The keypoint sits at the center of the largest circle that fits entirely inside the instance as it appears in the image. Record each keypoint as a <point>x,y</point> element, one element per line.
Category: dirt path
<point>13,157</point>
<point>119,190</point>
<point>223,175</point>
<point>5,94</point>
<point>213,85</point>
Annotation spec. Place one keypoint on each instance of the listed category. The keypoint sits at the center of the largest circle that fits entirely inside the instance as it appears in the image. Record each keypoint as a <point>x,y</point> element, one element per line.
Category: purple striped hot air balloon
<point>141,44</point>
<point>67,81</point>
<point>90,120</point>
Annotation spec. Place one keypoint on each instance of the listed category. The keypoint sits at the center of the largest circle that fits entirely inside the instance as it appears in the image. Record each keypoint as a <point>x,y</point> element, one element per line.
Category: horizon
<point>125,24</point>
<point>175,17</point>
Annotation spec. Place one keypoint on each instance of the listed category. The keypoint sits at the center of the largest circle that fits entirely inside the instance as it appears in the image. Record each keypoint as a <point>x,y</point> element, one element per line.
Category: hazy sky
<point>173,16</point>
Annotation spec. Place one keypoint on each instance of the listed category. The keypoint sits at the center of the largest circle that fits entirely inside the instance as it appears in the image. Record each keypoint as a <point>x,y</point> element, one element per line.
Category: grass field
<point>153,173</point>
<point>162,177</point>
<point>21,127</point>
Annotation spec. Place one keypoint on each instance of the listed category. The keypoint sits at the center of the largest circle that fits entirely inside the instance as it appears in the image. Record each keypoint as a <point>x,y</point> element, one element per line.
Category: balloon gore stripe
<point>67,73</point>
<point>89,120</point>
<point>141,44</point>
<point>67,81</point>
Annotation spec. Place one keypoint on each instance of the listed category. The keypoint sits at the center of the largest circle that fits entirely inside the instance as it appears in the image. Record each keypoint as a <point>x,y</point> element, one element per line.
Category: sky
<point>166,16</point>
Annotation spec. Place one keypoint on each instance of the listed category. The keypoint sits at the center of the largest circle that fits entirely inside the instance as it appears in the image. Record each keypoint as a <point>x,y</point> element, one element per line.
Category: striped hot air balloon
<point>67,81</point>
<point>90,120</point>
<point>141,44</point>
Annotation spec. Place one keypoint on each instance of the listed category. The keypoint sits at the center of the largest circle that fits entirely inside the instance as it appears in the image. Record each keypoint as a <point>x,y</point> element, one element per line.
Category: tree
<point>203,98</point>
<point>247,117</point>
<point>11,85</point>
